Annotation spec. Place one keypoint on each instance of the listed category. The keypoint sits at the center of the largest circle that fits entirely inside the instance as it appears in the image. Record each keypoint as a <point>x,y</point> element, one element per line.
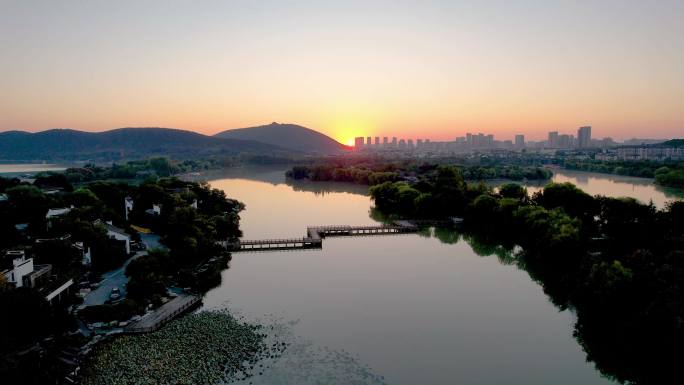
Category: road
<point>151,241</point>
<point>117,278</point>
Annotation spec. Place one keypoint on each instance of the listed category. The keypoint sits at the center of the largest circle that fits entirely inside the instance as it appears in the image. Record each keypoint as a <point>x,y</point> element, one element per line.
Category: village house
<point>54,213</point>
<point>86,259</point>
<point>22,272</point>
<point>155,210</point>
<point>16,266</point>
<point>128,206</point>
<point>116,233</point>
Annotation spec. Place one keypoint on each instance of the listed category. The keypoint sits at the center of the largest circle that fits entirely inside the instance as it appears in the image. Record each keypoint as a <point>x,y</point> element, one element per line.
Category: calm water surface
<point>397,309</point>
<point>642,189</point>
<point>29,168</point>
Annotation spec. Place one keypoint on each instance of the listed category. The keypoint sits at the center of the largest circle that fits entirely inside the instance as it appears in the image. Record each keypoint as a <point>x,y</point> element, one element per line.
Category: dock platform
<point>164,314</point>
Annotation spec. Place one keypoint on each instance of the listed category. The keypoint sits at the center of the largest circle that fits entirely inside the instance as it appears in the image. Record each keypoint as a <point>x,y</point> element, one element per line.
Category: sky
<point>418,69</point>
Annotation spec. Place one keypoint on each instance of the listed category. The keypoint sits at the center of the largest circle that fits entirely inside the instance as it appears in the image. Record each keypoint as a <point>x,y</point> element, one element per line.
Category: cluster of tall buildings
<point>583,140</point>
<point>374,143</point>
<point>486,141</point>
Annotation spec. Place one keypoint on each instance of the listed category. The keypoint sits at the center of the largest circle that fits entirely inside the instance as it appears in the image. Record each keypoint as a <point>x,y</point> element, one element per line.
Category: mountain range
<point>138,143</point>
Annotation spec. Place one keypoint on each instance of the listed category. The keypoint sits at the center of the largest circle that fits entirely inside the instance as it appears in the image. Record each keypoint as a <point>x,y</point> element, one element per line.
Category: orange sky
<point>434,71</point>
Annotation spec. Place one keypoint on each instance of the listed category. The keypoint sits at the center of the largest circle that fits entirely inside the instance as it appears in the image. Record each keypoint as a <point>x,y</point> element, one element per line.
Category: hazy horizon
<point>434,70</point>
<point>504,136</point>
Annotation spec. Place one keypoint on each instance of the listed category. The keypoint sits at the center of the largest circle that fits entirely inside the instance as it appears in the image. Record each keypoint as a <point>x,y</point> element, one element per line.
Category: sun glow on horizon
<point>349,73</point>
<point>345,128</point>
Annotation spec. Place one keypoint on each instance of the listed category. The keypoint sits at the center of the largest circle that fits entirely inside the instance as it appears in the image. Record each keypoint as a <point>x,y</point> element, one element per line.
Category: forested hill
<point>673,143</point>
<point>122,143</point>
<point>290,136</point>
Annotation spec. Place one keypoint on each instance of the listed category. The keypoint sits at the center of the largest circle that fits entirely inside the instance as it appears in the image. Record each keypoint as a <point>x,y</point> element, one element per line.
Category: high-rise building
<point>479,140</point>
<point>520,141</point>
<point>584,137</point>
<point>358,142</point>
<point>564,141</point>
<point>385,142</point>
<point>369,142</point>
<point>553,139</point>
<point>377,141</point>
<point>419,143</point>
<point>402,143</point>
<point>410,143</point>
<point>394,141</point>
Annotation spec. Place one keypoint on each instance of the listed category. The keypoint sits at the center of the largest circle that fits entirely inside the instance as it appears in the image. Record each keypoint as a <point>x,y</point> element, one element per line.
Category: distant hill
<point>290,136</point>
<point>673,143</point>
<point>122,143</point>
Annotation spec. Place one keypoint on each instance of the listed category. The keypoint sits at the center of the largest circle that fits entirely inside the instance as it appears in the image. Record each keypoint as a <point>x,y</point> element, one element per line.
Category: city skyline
<point>583,138</point>
<point>345,69</point>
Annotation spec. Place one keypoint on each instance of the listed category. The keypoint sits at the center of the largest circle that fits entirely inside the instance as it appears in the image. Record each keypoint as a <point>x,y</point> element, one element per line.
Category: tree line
<point>374,172</point>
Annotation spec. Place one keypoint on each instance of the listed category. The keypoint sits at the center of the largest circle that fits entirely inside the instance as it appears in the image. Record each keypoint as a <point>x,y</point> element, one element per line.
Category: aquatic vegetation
<point>304,362</point>
<point>210,347</point>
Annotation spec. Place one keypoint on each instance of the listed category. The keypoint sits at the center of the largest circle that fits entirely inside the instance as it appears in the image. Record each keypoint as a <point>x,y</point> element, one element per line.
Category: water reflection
<point>322,188</point>
<point>8,170</point>
<point>408,308</point>
<point>642,189</point>
<point>269,174</point>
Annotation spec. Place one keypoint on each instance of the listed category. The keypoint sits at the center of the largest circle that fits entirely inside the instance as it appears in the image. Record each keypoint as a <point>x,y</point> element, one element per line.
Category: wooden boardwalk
<point>164,314</point>
<point>276,244</point>
<point>319,232</point>
<point>316,234</point>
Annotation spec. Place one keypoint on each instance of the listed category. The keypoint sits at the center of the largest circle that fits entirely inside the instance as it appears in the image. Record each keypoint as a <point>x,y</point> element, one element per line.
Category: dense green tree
<point>53,180</point>
<point>82,197</point>
<point>149,275</point>
<point>513,190</point>
<point>567,196</point>
<point>6,183</point>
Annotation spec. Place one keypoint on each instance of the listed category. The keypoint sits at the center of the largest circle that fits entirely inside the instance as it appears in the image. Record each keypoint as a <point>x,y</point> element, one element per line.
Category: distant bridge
<point>316,234</point>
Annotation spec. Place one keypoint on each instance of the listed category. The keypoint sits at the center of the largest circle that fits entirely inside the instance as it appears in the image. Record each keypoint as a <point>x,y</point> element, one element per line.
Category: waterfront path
<point>164,314</point>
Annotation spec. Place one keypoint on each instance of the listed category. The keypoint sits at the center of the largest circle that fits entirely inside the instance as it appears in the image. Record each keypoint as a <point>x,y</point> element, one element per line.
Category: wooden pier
<point>276,244</point>
<point>164,314</point>
<point>319,232</point>
<point>316,234</point>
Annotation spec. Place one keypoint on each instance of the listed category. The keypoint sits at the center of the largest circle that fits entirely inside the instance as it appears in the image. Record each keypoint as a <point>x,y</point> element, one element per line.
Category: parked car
<point>115,294</point>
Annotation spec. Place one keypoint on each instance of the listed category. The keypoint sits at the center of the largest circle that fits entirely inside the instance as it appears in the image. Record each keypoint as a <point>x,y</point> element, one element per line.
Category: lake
<point>21,168</point>
<point>395,309</point>
<point>642,189</point>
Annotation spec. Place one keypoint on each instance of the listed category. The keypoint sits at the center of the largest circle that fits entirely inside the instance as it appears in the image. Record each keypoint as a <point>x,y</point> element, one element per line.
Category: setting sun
<point>349,126</point>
